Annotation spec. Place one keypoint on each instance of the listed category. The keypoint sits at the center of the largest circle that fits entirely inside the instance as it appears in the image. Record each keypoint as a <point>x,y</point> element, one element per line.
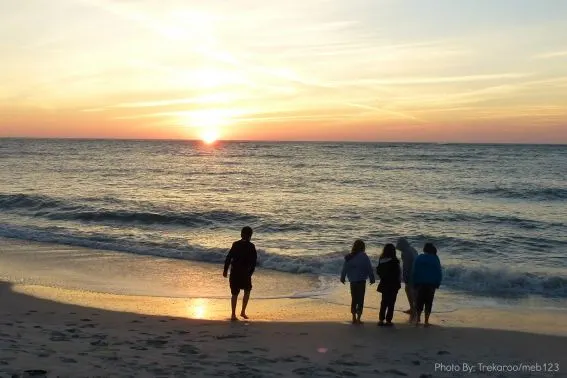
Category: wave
<point>28,201</point>
<point>189,219</point>
<point>474,280</point>
<point>536,194</point>
<point>503,281</point>
<point>55,209</point>
<point>484,218</point>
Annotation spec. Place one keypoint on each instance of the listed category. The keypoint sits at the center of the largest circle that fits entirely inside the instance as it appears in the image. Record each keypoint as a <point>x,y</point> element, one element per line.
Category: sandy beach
<point>64,333</point>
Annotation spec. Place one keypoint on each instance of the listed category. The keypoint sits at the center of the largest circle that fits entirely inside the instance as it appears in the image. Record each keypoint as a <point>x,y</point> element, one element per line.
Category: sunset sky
<point>376,70</point>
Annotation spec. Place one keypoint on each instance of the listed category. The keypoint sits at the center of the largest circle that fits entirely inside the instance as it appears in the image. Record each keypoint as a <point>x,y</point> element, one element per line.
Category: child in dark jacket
<point>426,277</point>
<point>390,275</point>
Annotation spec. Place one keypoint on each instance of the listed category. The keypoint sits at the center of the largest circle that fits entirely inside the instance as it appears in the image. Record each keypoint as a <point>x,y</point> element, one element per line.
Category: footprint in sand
<point>68,360</point>
<point>188,349</point>
<point>306,371</point>
<point>349,363</point>
<point>348,373</point>
<point>58,336</point>
<point>156,343</point>
<point>396,372</point>
<point>295,358</point>
<point>99,343</point>
<point>239,352</point>
<point>443,352</point>
<point>225,337</point>
<point>34,373</point>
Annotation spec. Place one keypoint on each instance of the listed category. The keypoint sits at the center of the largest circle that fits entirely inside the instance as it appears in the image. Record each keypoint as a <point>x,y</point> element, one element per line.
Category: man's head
<point>246,233</point>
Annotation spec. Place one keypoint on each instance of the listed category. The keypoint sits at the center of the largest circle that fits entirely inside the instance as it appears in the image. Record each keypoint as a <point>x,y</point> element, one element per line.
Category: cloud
<point>433,79</point>
<point>552,55</point>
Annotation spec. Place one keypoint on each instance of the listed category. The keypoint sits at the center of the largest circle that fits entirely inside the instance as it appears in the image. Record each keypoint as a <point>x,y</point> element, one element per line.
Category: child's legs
<point>352,298</point>
<point>383,307</point>
<point>429,301</point>
<point>362,294</point>
<point>410,293</point>
<point>357,291</point>
<point>391,304</point>
<point>419,300</point>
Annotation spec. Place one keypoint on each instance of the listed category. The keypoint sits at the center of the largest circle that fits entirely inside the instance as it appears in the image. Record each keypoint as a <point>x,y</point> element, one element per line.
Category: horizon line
<point>274,141</point>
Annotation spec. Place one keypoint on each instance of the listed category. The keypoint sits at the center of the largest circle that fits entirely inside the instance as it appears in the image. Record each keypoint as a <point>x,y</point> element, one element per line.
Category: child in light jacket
<point>358,269</point>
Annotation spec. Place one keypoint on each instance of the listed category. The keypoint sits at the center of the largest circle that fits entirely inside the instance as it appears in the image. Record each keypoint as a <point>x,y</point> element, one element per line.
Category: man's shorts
<point>240,282</point>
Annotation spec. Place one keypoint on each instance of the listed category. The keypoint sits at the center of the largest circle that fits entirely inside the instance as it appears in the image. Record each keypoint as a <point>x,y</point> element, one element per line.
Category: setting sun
<point>210,135</point>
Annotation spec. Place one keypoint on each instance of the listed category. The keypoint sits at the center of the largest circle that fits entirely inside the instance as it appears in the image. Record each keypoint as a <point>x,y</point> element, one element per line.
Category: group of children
<point>421,275</point>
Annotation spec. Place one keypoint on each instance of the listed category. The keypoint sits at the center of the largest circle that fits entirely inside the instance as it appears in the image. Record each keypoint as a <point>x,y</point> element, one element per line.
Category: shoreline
<point>130,274</point>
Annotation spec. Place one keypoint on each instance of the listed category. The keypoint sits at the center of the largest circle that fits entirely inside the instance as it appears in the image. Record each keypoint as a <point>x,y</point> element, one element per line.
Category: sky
<point>368,70</point>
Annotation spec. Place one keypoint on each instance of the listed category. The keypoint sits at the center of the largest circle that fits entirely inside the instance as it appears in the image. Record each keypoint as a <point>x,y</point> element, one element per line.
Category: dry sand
<point>64,333</point>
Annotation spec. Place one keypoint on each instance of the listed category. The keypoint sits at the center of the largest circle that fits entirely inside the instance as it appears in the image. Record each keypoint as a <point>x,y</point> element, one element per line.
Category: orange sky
<point>372,70</point>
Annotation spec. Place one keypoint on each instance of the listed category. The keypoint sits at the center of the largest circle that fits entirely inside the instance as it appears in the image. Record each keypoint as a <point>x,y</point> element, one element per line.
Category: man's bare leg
<point>244,304</point>
<point>233,301</point>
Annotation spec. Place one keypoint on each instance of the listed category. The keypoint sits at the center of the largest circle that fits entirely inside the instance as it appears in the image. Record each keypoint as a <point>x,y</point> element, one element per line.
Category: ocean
<point>497,213</point>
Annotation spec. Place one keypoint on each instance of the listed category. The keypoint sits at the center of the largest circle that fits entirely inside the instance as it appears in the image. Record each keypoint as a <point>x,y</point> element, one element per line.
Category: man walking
<point>242,259</point>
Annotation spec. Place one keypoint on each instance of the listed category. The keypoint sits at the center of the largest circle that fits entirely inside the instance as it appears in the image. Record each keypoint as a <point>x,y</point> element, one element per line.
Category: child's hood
<point>355,256</point>
<point>405,247</point>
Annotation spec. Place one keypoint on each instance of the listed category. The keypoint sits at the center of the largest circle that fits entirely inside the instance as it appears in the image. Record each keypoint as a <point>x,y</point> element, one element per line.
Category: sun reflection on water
<point>198,308</point>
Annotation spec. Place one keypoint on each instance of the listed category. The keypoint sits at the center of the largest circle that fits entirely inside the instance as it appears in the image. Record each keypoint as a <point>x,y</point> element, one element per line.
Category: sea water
<point>497,213</point>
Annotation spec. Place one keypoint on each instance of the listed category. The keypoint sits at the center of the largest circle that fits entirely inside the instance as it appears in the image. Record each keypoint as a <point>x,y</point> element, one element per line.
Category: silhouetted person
<point>390,274</point>
<point>409,255</point>
<point>242,259</point>
<point>427,276</point>
<point>358,268</point>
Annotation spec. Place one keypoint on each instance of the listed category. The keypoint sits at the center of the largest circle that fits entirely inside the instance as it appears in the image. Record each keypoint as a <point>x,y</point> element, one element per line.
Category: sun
<point>210,135</point>
<point>206,124</point>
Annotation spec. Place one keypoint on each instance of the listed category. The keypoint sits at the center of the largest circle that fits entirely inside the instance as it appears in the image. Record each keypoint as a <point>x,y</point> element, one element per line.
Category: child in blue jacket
<point>426,278</point>
<point>358,268</point>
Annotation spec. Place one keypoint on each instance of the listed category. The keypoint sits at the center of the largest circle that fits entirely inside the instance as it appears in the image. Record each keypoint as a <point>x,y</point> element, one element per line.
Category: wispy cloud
<point>434,79</point>
<point>551,55</point>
